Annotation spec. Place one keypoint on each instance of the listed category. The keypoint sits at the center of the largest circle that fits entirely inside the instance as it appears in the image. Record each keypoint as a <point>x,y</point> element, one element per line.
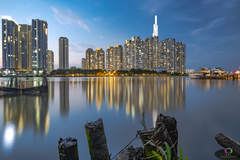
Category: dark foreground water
<point>31,125</point>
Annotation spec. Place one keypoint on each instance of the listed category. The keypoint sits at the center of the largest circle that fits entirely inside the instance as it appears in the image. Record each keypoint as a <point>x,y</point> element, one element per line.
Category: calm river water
<point>31,125</point>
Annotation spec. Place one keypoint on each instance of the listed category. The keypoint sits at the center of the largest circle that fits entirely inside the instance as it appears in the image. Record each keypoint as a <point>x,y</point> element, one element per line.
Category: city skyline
<point>203,26</point>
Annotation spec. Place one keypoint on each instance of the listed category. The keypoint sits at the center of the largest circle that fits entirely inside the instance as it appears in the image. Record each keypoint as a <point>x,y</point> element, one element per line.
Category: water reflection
<point>208,84</point>
<point>30,111</point>
<point>64,97</point>
<point>154,94</point>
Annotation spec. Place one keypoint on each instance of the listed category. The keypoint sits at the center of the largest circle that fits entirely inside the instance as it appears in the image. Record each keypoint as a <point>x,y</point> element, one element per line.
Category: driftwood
<point>97,141</point>
<point>68,149</point>
<point>227,142</point>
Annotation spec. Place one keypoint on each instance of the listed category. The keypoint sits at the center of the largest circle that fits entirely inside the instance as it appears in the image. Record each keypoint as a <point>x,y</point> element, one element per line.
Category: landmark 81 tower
<point>155,27</point>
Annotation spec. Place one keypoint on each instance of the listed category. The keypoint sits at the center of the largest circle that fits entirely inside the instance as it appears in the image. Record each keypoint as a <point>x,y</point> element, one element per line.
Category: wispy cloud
<point>97,19</point>
<point>101,37</point>
<point>211,25</point>
<point>152,5</point>
<point>69,17</point>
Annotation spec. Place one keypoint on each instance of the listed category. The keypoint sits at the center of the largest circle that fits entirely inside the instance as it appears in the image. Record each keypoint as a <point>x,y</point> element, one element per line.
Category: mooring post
<point>97,141</point>
<point>68,149</point>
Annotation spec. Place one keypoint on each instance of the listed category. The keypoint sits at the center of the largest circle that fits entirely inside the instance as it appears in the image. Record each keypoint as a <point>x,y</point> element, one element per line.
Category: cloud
<point>211,25</point>
<point>69,17</point>
<point>152,5</point>
<point>101,37</point>
<point>97,19</point>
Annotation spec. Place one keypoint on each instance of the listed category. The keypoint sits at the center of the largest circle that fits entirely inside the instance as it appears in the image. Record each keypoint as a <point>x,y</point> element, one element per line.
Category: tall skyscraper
<point>151,52</point>
<point>10,44</point>
<point>95,59</point>
<point>84,63</point>
<point>155,28</point>
<point>114,57</point>
<point>26,47</point>
<point>180,58</point>
<point>133,56</point>
<point>167,54</point>
<point>50,57</point>
<point>90,58</point>
<point>39,45</point>
<point>109,58</point>
<point>99,59</point>
<point>63,53</point>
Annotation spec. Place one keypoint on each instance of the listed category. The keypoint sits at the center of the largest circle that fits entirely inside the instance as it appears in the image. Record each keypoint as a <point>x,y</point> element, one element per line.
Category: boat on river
<point>18,87</point>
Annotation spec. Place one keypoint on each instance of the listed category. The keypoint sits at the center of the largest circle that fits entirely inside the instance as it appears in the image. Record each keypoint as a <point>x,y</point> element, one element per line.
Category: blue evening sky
<point>210,28</point>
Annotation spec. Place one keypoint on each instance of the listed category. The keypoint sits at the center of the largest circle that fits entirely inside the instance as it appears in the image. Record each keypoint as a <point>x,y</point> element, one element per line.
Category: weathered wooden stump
<point>227,142</point>
<point>165,128</point>
<point>97,141</point>
<point>68,149</point>
<point>171,125</point>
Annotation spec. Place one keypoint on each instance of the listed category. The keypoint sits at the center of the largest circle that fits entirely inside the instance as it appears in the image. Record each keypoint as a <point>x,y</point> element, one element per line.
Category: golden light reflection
<point>27,111</point>
<point>153,94</point>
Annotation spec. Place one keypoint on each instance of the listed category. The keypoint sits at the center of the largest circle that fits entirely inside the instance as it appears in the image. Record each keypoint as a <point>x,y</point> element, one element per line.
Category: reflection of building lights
<point>9,135</point>
<point>47,123</point>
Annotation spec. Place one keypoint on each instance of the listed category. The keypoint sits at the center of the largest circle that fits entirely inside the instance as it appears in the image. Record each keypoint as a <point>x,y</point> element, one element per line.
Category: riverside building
<point>180,58</point>
<point>50,57</point>
<point>95,59</point>
<point>10,44</point>
<point>25,47</point>
<point>39,45</point>
<point>63,53</point>
<point>133,55</point>
<point>114,57</point>
<point>84,63</point>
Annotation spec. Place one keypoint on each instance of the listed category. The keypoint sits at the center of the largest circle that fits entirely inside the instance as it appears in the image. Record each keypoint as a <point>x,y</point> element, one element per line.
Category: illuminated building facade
<point>84,63</point>
<point>50,57</point>
<point>151,52</point>
<point>26,47</point>
<point>133,55</point>
<point>99,59</point>
<point>95,59</point>
<point>63,53</point>
<point>167,49</point>
<point>39,45</point>
<point>180,58</point>
<point>155,28</point>
<point>10,44</point>
<point>114,57</point>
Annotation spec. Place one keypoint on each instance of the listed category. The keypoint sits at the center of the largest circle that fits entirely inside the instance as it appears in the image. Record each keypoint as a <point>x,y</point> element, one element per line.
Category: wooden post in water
<point>227,142</point>
<point>97,141</point>
<point>68,149</point>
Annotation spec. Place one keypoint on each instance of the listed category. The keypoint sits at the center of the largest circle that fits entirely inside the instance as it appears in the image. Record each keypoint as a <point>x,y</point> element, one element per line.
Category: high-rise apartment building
<point>95,59</point>
<point>114,57</point>
<point>39,45</point>
<point>63,53</point>
<point>84,63</point>
<point>99,59</point>
<point>26,47</point>
<point>151,52</point>
<point>133,55</point>
<point>10,44</point>
<point>180,58</point>
<point>167,54</point>
<point>50,57</point>
<point>109,58</point>
<point>90,58</point>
